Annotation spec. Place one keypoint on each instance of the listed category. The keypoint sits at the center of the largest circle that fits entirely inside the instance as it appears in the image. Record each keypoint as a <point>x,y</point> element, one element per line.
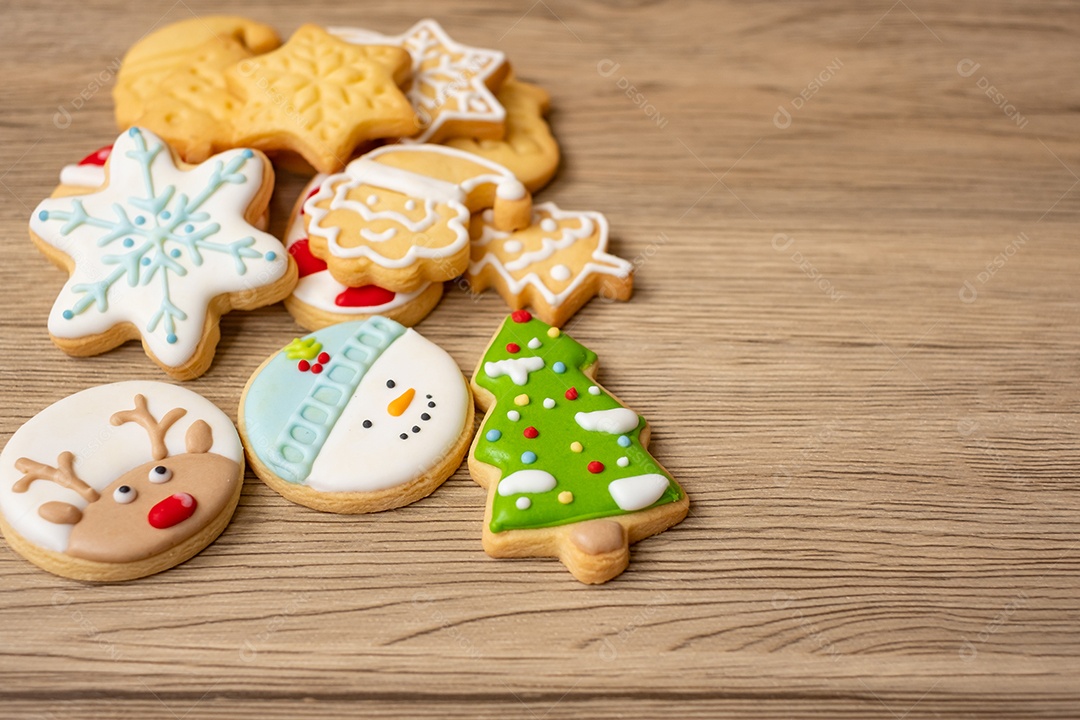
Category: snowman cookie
<point>319,300</point>
<point>566,465</point>
<point>357,417</point>
<point>120,481</point>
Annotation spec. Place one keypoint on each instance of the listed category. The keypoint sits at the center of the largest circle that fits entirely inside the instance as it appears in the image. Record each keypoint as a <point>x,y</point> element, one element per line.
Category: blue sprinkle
<point>128,242</point>
<point>559,368</point>
<point>189,228</point>
<point>493,435</point>
<point>145,261</point>
<point>165,214</point>
<point>139,219</point>
<point>68,314</point>
<point>175,253</point>
<point>170,338</point>
<point>271,256</point>
<point>624,441</point>
<point>528,457</point>
<point>43,215</point>
<point>247,154</point>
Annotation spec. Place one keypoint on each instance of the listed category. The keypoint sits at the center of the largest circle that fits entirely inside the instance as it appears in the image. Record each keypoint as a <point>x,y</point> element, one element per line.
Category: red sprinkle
<point>521,316</point>
<point>596,467</point>
<point>571,394</point>
<point>531,432</point>
<point>323,358</point>
<point>513,348</point>
<point>316,368</point>
<point>303,366</point>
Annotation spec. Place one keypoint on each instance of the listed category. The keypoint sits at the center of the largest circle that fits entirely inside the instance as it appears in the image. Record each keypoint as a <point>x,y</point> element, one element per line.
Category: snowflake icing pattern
<point>156,235</point>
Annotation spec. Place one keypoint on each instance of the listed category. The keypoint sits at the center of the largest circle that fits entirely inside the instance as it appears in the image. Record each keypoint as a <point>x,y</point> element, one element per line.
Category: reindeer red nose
<point>172,510</point>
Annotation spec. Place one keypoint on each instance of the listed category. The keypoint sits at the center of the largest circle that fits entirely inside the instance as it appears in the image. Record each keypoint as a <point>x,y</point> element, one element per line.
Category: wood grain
<point>882,459</point>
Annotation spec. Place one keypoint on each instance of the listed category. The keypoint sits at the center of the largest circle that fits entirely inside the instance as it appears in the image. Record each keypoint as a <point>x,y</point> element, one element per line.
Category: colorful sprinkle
<point>623,461</point>
<point>303,366</point>
<point>521,316</point>
<point>493,435</point>
<point>571,394</point>
<point>576,447</point>
<point>523,503</point>
<point>535,343</point>
<point>549,403</point>
<point>566,497</point>
<point>594,390</point>
<point>531,432</point>
<point>528,457</point>
<point>624,441</point>
<point>513,348</point>
<point>596,467</point>
<point>513,416</point>
<point>316,368</point>
<point>521,399</point>
<point>559,368</point>
<point>323,358</point>
<point>554,332</point>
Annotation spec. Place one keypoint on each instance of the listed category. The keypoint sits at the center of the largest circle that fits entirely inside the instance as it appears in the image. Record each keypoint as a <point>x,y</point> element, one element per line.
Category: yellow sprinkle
<point>522,399</point>
<point>554,332</point>
<point>566,497</point>
<point>576,447</point>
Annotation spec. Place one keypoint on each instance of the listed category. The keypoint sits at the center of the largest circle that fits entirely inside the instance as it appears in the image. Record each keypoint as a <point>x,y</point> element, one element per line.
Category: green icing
<point>557,430</point>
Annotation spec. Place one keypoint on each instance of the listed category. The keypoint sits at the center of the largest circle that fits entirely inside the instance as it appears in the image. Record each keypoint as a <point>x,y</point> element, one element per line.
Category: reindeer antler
<point>63,474</point>
<point>155,429</point>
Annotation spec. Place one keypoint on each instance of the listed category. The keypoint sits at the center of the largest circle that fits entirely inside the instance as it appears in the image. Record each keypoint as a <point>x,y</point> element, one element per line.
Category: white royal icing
<point>103,452</point>
<point>82,175</point>
<point>637,492</point>
<point>615,421</point>
<point>517,369</point>
<point>526,481</point>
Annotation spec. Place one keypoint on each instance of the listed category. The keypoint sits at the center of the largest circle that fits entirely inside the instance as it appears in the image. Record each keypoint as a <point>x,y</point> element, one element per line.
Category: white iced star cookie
<point>453,85</point>
<point>160,251</point>
<point>358,417</point>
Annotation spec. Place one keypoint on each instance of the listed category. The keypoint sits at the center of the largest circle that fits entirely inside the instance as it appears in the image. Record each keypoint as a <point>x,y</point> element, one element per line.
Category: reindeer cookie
<point>120,481</point>
<point>357,417</point>
<point>398,217</point>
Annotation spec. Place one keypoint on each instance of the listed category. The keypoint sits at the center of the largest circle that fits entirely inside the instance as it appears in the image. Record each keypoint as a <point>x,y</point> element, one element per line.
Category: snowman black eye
<point>160,474</point>
<point>367,423</point>
<point>390,383</point>
<point>124,494</point>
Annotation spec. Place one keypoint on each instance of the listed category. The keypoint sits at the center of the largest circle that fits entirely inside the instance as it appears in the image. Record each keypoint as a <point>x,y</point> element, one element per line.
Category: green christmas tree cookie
<point>566,465</point>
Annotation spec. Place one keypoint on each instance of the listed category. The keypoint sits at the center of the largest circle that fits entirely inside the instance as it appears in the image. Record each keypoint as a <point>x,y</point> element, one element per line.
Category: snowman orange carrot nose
<point>401,403</point>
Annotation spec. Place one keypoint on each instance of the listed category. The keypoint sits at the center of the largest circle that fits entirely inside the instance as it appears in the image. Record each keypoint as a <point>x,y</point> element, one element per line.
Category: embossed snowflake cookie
<point>565,464</point>
<point>160,251</point>
<point>358,417</point>
<point>120,481</point>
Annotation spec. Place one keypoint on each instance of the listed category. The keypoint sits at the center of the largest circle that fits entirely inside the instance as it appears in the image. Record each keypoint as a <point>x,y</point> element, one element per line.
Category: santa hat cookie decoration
<point>357,417</point>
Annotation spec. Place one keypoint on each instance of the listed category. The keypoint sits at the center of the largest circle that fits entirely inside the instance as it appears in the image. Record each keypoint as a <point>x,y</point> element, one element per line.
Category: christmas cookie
<point>528,150</point>
<point>85,175</point>
<point>173,81</point>
<point>358,417</point>
<point>398,217</point>
<point>565,464</point>
<point>320,97</point>
<point>452,84</point>
<point>120,481</point>
<point>160,251</point>
<point>555,265</point>
<point>320,300</point>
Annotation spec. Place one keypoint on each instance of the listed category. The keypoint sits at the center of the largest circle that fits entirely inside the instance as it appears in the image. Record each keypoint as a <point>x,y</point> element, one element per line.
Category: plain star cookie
<point>120,481</point>
<point>399,216</point>
<point>565,464</point>
<point>321,97</point>
<point>358,417</point>
<point>529,149</point>
<point>555,265</point>
<point>452,84</point>
<point>319,300</point>
<point>160,252</point>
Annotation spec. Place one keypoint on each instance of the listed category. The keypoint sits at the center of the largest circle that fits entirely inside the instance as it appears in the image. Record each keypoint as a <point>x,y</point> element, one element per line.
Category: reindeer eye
<point>124,494</point>
<point>160,474</point>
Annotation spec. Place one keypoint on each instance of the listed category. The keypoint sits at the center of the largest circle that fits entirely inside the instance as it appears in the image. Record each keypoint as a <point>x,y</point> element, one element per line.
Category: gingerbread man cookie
<point>160,251</point>
<point>565,464</point>
<point>120,481</point>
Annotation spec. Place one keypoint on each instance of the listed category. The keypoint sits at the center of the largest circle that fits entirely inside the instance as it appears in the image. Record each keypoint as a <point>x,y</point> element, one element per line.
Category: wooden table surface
<point>855,333</point>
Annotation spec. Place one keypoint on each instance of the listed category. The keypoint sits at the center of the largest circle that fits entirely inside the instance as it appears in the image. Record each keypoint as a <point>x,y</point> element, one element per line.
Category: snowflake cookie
<point>161,251</point>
